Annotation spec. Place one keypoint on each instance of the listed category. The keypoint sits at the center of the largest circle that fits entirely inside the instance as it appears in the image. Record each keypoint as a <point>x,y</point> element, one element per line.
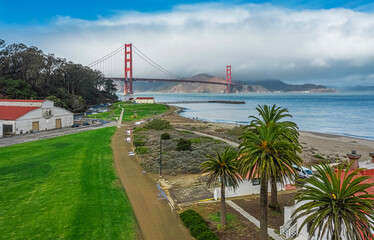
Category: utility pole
<point>160,157</point>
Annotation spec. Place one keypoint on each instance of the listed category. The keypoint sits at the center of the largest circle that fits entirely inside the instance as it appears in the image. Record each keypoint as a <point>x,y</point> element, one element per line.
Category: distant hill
<point>248,86</point>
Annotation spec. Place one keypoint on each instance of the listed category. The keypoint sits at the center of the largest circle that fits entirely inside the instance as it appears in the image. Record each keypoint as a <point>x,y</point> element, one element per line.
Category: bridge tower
<point>128,70</point>
<point>228,78</point>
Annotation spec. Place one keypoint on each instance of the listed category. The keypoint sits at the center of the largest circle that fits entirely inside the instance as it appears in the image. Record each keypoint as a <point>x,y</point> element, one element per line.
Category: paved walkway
<point>154,215</point>
<point>7,141</point>
<point>271,231</point>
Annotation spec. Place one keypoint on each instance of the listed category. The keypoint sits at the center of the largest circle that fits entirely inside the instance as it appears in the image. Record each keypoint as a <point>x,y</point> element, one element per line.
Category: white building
<point>249,187</point>
<point>26,116</point>
<point>145,100</point>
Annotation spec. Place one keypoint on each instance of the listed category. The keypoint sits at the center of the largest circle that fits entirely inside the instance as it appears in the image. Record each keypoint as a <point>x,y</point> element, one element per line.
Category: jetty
<point>212,101</point>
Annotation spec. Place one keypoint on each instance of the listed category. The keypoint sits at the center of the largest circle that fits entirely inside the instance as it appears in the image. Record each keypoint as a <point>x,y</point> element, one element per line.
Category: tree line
<point>28,73</point>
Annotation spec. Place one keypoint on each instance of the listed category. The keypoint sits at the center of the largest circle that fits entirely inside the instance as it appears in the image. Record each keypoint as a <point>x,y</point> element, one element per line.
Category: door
<point>58,123</point>
<point>35,126</point>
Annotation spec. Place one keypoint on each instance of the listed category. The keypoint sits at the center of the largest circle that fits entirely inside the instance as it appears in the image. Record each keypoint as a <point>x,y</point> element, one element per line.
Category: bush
<point>198,227</point>
<point>136,130</point>
<point>142,150</point>
<point>158,124</point>
<point>138,143</point>
<point>184,145</point>
<point>207,235</point>
<point>165,136</point>
<point>236,131</point>
<point>318,156</point>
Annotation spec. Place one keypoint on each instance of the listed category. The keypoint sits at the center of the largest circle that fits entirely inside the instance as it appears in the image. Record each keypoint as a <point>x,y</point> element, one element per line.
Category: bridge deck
<point>174,80</point>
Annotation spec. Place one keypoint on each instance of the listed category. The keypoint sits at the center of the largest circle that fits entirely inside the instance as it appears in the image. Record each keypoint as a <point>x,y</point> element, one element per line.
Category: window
<point>256,181</point>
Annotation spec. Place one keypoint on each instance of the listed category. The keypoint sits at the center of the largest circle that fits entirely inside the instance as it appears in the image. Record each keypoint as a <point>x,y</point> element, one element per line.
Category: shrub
<point>198,227</point>
<point>207,235</point>
<point>195,140</point>
<point>318,156</point>
<point>142,150</point>
<point>165,136</point>
<point>138,143</point>
<point>136,130</point>
<point>184,145</point>
<point>158,124</point>
<point>236,131</point>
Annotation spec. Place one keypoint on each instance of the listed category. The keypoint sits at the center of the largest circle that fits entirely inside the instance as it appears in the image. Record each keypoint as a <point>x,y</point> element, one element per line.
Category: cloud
<point>260,41</point>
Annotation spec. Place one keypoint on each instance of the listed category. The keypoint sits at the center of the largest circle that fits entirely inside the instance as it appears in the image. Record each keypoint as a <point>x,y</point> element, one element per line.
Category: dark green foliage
<point>165,136</point>
<point>16,88</point>
<point>184,145</point>
<point>27,72</point>
<point>207,235</point>
<point>158,124</point>
<point>139,143</point>
<point>318,156</point>
<point>198,227</point>
<point>136,130</point>
<point>142,150</point>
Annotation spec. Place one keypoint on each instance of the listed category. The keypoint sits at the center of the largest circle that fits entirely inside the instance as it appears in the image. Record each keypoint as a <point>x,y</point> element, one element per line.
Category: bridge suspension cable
<point>153,63</point>
<point>109,55</point>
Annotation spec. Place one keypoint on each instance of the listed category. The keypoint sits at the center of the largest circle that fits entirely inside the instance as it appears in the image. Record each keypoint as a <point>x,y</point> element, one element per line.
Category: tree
<point>223,166</point>
<point>337,204</point>
<point>264,154</point>
<point>289,132</point>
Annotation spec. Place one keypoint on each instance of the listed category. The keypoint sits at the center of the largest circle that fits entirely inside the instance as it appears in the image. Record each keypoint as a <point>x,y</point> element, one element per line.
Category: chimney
<point>372,156</point>
<point>354,157</point>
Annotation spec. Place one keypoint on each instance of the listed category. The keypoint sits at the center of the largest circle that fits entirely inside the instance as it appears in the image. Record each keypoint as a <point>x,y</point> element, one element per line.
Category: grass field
<point>132,111</point>
<point>63,188</point>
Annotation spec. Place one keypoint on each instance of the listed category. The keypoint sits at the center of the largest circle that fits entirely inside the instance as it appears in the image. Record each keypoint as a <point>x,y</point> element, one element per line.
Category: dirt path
<point>155,218</point>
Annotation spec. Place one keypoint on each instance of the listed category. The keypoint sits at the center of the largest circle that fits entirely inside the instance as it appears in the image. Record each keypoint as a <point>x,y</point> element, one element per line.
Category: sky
<point>322,42</point>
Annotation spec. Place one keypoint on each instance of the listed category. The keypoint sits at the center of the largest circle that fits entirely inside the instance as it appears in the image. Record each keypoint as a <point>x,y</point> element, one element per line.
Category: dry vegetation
<point>147,143</point>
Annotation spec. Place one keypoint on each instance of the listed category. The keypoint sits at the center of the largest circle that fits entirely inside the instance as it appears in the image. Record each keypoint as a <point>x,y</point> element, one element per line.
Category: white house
<point>26,116</point>
<point>249,187</point>
<point>145,100</point>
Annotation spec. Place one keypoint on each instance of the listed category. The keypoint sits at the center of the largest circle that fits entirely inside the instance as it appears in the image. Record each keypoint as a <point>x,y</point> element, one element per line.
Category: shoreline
<point>331,147</point>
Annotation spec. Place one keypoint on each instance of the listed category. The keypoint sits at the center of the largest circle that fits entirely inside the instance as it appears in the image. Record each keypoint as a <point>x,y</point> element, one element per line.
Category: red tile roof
<point>145,98</point>
<point>12,112</point>
<point>20,100</point>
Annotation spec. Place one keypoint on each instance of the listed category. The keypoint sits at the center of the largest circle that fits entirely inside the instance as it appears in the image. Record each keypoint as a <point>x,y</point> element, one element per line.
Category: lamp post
<point>160,157</point>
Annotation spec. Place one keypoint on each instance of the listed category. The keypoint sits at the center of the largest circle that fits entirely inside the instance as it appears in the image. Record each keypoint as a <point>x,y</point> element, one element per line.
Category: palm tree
<point>290,132</point>
<point>337,204</point>
<point>264,154</point>
<point>223,166</point>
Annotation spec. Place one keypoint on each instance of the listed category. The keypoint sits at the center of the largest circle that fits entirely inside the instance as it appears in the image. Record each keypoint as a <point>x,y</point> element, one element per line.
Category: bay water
<point>349,114</point>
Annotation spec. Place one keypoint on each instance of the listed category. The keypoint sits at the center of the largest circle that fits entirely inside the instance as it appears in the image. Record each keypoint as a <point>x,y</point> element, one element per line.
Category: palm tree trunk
<point>264,209</point>
<point>223,205</point>
<point>274,205</point>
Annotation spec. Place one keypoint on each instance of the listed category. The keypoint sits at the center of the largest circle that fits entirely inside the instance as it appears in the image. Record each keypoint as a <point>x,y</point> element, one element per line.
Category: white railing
<point>289,230</point>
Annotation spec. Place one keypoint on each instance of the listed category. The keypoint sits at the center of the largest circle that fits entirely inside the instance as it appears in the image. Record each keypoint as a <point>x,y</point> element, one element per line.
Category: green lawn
<point>132,112</point>
<point>63,188</point>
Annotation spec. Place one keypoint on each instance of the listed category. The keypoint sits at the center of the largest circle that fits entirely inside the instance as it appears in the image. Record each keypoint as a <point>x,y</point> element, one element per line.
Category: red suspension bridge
<point>120,63</point>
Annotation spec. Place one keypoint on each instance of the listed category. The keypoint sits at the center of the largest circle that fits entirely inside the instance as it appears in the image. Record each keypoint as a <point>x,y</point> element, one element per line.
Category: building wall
<point>24,123</point>
<point>1,129</point>
<point>144,100</point>
<point>246,187</point>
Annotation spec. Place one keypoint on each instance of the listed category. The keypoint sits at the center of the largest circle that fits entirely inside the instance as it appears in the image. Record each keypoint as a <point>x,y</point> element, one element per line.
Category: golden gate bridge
<point>123,57</point>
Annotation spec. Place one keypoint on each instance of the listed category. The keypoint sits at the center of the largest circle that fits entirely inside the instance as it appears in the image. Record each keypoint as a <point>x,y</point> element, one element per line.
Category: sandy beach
<point>331,147</point>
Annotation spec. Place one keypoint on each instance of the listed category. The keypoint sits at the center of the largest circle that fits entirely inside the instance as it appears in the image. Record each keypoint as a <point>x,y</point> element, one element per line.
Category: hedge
<point>198,227</point>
